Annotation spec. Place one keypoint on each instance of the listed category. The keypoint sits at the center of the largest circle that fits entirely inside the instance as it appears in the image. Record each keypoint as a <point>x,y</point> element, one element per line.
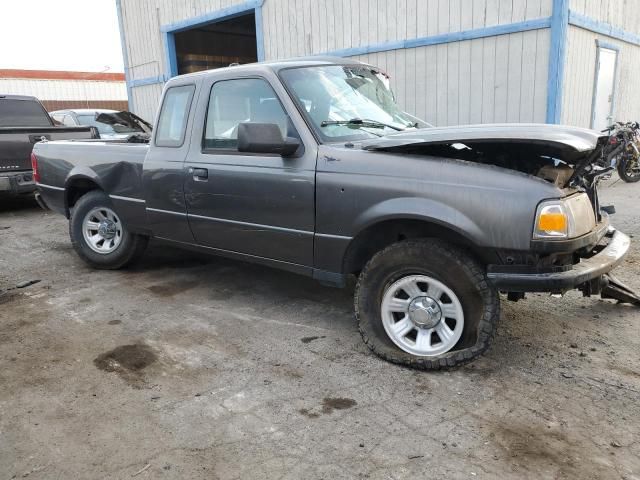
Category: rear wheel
<point>629,169</point>
<point>425,304</point>
<point>99,235</point>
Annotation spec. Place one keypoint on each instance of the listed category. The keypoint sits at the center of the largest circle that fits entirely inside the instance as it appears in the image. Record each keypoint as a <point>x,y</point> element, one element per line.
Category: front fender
<point>415,208</point>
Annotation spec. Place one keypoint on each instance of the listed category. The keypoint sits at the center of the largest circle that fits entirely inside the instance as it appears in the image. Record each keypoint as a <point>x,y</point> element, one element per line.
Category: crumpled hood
<point>572,141</point>
<point>125,118</point>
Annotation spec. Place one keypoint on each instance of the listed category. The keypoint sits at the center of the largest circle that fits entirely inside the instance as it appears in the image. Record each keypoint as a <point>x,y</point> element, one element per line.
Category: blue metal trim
<point>602,28</point>
<point>222,14</point>
<point>259,33</point>
<point>171,59</point>
<point>125,56</point>
<point>595,88</point>
<point>536,24</point>
<point>557,57</point>
<point>171,29</point>
<point>610,46</point>
<point>141,82</point>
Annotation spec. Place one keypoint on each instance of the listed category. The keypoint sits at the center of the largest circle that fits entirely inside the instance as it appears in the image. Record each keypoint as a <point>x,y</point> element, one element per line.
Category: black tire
<point>129,250</point>
<point>625,174</point>
<point>449,265</point>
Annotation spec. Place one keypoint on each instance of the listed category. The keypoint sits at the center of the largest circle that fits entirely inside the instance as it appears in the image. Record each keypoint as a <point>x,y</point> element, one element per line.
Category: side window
<point>173,116</point>
<point>68,121</point>
<point>232,102</point>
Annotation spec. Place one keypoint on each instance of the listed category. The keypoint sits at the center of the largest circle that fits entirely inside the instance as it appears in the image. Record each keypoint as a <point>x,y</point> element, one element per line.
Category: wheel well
<point>376,237</point>
<point>76,189</point>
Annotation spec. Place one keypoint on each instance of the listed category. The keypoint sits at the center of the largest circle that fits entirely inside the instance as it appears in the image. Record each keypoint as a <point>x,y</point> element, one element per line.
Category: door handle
<point>199,174</point>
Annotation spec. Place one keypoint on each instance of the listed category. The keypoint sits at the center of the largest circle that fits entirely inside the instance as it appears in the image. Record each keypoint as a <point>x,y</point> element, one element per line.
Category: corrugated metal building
<point>450,61</point>
<point>60,89</point>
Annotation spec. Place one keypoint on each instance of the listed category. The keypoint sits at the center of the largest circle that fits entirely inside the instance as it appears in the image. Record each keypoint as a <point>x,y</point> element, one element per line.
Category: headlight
<point>570,217</point>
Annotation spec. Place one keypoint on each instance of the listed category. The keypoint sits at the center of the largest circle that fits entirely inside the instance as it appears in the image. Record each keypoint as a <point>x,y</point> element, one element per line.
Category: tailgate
<point>16,143</point>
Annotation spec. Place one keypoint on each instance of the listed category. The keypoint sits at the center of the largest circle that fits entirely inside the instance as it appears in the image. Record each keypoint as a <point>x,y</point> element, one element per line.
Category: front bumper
<point>586,270</point>
<point>17,182</point>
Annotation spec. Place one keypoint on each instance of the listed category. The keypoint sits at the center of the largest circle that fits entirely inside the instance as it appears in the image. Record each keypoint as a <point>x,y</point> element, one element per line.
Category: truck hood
<point>563,142</point>
<point>559,154</point>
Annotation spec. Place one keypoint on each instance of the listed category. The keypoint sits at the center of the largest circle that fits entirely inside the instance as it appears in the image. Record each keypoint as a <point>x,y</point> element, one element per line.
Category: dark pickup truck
<point>309,165</point>
<point>23,122</point>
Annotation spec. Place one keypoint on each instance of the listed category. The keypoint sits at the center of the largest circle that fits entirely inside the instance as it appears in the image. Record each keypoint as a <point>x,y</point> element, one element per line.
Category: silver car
<point>110,123</point>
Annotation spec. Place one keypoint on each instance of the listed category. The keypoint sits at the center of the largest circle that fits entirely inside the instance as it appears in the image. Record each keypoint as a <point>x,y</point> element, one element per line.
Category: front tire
<point>99,236</point>
<point>426,305</point>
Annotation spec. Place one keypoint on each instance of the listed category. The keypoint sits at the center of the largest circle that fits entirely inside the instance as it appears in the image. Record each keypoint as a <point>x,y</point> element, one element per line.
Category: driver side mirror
<point>265,138</point>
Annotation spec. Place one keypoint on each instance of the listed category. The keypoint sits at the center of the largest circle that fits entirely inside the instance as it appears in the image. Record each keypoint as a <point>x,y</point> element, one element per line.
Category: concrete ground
<point>194,367</point>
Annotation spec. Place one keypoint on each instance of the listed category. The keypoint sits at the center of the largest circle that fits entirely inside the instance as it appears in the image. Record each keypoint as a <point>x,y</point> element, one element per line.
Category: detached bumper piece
<point>615,289</point>
<point>589,269</point>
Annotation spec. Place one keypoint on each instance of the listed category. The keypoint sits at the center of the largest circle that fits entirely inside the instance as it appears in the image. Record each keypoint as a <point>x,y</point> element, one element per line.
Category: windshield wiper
<point>359,122</point>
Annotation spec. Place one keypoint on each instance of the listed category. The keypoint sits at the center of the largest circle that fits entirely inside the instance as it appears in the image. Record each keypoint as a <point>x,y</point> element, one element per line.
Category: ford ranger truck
<point>310,165</point>
<point>23,122</point>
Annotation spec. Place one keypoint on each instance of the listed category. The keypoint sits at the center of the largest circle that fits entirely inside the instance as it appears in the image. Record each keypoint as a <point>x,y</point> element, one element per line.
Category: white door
<point>602,115</point>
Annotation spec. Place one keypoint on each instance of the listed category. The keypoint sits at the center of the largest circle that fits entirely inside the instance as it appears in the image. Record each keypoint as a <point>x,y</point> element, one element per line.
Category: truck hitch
<point>615,289</point>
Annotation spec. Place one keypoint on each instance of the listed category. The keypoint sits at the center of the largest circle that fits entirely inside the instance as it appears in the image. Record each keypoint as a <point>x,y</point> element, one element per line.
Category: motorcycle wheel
<point>629,169</point>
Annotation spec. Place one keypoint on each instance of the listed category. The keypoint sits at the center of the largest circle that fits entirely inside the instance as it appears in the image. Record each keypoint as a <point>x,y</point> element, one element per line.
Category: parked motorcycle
<point>623,151</point>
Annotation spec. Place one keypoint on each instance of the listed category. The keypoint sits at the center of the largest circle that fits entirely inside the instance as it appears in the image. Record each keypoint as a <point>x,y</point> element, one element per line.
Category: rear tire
<point>98,235</point>
<point>626,173</point>
<point>426,305</point>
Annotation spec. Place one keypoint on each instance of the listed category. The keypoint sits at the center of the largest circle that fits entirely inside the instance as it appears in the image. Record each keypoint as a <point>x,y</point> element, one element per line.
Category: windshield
<point>104,128</point>
<point>347,102</point>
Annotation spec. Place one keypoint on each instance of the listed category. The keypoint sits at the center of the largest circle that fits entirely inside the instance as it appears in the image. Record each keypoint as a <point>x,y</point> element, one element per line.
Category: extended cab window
<point>237,101</point>
<point>173,116</point>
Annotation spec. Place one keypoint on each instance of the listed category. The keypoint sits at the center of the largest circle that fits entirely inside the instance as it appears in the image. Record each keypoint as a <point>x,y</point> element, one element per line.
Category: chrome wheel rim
<point>422,316</point>
<point>102,230</point>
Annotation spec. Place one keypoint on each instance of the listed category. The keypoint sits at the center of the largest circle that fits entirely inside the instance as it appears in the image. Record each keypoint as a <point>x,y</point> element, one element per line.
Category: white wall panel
<point>145,100</point>
<point>340,24</point>
<point>475,81</point>
<point>579,79</point>
<point>491,79</point>
<point>64,89</point>
<point>624,14</point>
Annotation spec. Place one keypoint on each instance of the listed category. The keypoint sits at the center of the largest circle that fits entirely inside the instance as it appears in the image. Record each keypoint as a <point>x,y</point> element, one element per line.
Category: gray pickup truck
<point>23,122</point>
<point>309,165</point>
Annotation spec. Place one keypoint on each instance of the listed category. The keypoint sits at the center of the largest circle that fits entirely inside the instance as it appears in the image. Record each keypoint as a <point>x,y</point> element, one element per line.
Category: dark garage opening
<point>217,44</point>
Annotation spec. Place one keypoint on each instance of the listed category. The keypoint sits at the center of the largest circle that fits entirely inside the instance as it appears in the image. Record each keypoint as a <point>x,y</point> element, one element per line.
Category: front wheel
<point>629,169</point>
<point>100,237</point>
<point>426,305</point>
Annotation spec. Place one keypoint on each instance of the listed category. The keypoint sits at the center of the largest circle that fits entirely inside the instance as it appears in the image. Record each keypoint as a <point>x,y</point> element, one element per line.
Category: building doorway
<point>217,44</point>
<point>604,88</point>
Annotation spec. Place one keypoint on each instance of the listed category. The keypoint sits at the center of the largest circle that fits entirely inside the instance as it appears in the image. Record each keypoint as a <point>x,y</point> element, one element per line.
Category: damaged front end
<point>565,156</point>
<point>571,159</point>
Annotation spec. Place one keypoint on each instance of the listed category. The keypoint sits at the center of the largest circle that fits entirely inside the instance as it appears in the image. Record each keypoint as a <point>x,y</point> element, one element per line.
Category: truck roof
<point>19,97</point>
<point>277,65</point>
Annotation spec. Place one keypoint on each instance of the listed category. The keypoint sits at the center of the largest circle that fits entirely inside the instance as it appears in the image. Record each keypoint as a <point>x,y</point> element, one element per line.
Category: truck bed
<point>114,165</point>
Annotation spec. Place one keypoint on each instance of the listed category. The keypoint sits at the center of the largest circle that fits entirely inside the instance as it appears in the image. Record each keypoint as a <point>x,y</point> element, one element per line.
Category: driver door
<point>254,204</point>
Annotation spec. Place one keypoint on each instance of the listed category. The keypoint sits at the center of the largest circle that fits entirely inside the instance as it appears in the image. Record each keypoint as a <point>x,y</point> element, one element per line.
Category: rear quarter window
<point>174,113</point>
<point>22,113</point>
